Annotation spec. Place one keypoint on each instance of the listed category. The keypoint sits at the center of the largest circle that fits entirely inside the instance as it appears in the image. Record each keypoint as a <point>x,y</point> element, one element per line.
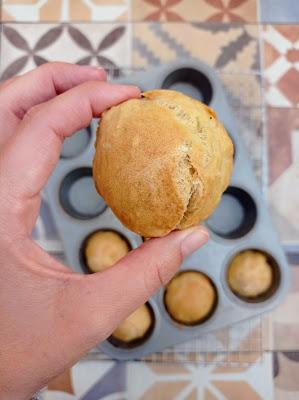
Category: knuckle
<point>33,112</point>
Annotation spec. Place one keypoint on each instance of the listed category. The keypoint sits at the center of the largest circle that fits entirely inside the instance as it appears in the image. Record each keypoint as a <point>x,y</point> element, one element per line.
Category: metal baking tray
<point>240,222</point>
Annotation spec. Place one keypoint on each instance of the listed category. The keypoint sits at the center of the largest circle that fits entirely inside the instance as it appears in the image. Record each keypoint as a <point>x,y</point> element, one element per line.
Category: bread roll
<point>161,162</point>
<point>249,274</point>
<point>190,297</point>
<point>136,326</point>
<point>103,249</point>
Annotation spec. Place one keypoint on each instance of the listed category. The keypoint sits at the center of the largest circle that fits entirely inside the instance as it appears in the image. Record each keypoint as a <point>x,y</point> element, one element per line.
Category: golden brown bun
<point>162,162</point>
<point>249,274</point>
<point>135,326</point>
<point>190,297</point>
<point>103,249</point>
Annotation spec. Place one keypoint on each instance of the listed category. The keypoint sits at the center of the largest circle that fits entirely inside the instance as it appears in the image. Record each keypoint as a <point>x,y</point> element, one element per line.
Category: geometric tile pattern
<point>25,46</point>
<point>64,10</point>
<point>281,58</point>
<point>93,381</point>
<point>231,48</point>
<point>200,10</point>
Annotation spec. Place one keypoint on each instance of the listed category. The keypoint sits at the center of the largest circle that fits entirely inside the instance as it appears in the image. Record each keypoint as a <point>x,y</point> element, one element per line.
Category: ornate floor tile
<point>89,381</point>
<point>209,382</point>
<point>65,10</point>
<point>283,160</point>
<point>281,65</point>
<point>231,48</point>
<point>25,46</point>
<point>200,10</point>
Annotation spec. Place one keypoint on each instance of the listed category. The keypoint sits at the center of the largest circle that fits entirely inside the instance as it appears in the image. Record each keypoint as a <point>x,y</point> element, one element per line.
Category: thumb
<point>109,297</point>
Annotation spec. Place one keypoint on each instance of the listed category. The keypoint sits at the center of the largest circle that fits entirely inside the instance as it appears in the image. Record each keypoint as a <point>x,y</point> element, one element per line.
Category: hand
<point>50,316</point>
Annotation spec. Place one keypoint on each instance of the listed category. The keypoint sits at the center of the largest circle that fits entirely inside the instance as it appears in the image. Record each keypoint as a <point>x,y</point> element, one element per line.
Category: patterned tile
<point>284,319</point>
<point>232,48</point>
<point>207,382</point>
<point>89,381</point>
<point>25,46</point>
<point>279,12</point>
<point>283,159</point>
<point>281,64</point>
<point>93,380</point>
<point>200,10</point>
<point>65,10</point>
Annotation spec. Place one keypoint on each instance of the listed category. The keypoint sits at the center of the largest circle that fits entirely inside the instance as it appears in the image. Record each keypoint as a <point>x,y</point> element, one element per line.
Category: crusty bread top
<point>162,162</point>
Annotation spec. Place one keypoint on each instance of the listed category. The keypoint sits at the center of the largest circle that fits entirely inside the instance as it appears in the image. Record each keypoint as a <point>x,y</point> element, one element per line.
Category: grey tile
<point>279,11</point>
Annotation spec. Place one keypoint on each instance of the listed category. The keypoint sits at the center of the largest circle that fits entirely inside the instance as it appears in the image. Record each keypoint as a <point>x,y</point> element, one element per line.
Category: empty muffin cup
<point>102,249</point>
<point>74,145</point>
<point>190,298</point>
<point>191,82</point>
<point>253,275</point>
<point>134,330</point>
<point>78,195</point>
<point>234,216</point>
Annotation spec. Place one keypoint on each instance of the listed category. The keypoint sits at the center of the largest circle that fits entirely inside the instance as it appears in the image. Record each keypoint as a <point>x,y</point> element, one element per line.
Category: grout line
<point>265,167</point>
<point>259,11</point>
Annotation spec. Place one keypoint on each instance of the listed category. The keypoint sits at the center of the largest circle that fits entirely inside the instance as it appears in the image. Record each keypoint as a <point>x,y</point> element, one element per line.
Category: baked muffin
<point>190,297</point>
<point>249,274</point>
<point>136,326</point>
<point>162,162</point>
<point>103,249</point>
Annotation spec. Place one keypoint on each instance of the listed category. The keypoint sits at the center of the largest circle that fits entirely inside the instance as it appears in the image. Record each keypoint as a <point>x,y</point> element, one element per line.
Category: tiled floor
<point>228,35</point>
<point>28,45</point>
<point>231,48</point>
<point>189,10</point>
<point>281,64</point>
<point>65,10</point>
<point>91,380</point>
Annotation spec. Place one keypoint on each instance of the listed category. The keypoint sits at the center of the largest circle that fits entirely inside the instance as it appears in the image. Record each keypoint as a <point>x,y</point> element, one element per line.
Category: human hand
<point>50,316</point>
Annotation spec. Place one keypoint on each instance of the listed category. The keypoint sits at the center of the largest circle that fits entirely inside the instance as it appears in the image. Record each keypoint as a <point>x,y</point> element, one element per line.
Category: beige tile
<point>65,10</point>
<point>230,48</point>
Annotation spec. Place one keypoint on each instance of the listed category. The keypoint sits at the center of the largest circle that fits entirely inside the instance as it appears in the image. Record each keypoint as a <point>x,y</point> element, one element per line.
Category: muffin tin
<point>240,222</point>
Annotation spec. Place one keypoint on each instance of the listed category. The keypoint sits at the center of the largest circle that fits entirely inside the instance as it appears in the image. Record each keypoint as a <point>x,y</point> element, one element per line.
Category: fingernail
<point>194,240</point>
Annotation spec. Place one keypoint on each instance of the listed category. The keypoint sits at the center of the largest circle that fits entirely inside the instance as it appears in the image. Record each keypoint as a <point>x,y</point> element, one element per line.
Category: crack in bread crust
<point>194,191</point>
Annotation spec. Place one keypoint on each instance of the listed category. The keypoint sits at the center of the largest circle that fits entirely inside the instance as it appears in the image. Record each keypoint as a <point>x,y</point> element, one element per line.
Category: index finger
<point>30,156</point>
<point>19,94</point>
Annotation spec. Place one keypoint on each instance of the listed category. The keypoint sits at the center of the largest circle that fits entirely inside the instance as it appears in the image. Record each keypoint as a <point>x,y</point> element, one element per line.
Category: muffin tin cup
<point>191,326</point>
<point>82,255</point>
<point>266,298</point>
<point>214,257</point>
<point>137,348</point>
